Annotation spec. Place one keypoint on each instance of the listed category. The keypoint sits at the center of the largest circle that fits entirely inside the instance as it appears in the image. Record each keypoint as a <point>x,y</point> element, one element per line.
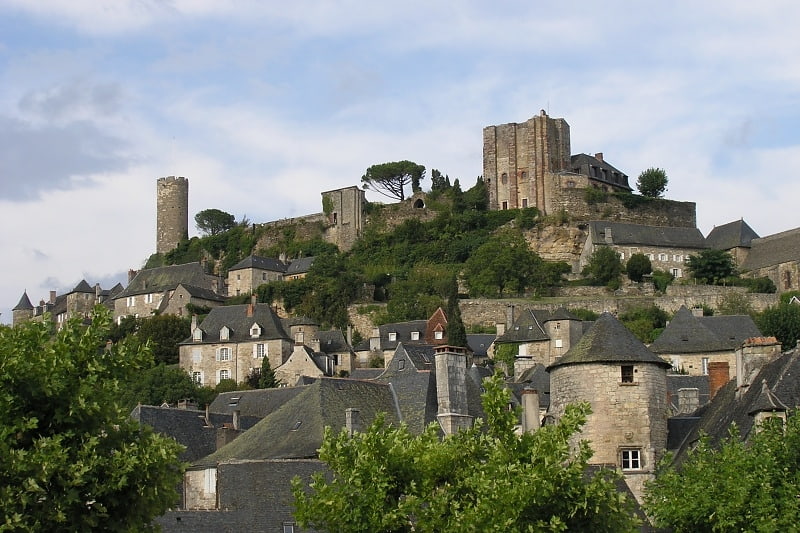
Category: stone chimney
<point>530,410</point>
<point>510,316</point>
<point>131,274</point>
<point>52,298</point>
<point>349,335</point>
<point>688,400</point>
<point>375,340</point>
<point>500,328</point>
<point>599,156</point>
<point>718,376</point>
<point>299,338</point>
<point>352,420</point>
<point>194,324</point>
<point>315,345</point>
<point>451,389</point>
<point>751,357</point>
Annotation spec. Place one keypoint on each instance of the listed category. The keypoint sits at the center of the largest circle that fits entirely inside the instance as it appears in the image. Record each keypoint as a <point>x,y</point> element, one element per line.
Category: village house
<point>384,339</point>
<point>776,257</point>
<point>734,237</point>
<point>78,302</point>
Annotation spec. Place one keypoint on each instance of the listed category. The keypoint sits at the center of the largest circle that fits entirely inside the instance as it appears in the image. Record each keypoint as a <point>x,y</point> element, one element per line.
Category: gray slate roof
<point>83,286</point>
<point>529,326</point>
<point>236,319</point>
<point>333,341</point>
<point>403,331</point>
<point>608,341</point>
<point>202,293</point>
<point>687,333</point>
<point>299,266</point>
<point>585,161</point>
<point>261,263</point>
<point>774,249</point>
<point>736,234</point>
<point>668,237</point>
<point>537,378</point>
<point>295,429</point>
<point>258,403</point>
<point>479,343</point>
<point>24,303</point>
<point>161,279</point>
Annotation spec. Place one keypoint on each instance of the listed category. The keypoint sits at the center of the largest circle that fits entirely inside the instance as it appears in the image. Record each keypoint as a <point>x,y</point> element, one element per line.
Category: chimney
<point>52,298</point>
<point>451,389</point>
<point>688,400</point>
<point>349,335</point>
<point>509,316</point>
<point>530,410</point>
<point>718,376</point>
<point>375,340</point>
<point>599,156</point>
<point>352,420</point>
<point>751,357</point>
<point>315,345</point>
<point>194,324</point>
<point>131,274</point>
<point>250,310</point>
<point>697,311</point>
<point>298,338</point>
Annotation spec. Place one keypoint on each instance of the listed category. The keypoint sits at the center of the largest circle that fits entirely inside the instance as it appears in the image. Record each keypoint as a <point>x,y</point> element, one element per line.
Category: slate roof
<point>608,341</point>
<point>675,382</point>
<point>261,263</point>
<point>161,279</point>
<point>236,319</point>
<point>687,333</point>
<point>24,303</point>
<point>536,377</point>
<point>258,403</point>
<point>479,343</point>
<point>403,331</point>
<point>202,293</point>
<point>585,161</point>
<point>83,286</point>
<point>299,266</point>
<point>296,428</point>
<point>774,249</point>
<point>366,373</point>
<point>529,326</point>
<point>333,342</point>
<point>782,378</point>
<point>623,233</point>
<point>736,234</point>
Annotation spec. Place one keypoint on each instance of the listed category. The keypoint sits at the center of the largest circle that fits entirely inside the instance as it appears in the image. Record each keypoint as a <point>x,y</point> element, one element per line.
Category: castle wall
<point>346,217</point>
<point>657,212</point>
<point>172,212</point>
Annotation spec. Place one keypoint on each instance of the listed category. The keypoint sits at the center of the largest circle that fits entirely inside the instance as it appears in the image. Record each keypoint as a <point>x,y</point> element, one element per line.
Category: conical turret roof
<point>24,303</point>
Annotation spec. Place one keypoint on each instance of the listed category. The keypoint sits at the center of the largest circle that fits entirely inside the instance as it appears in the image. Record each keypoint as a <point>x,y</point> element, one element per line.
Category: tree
<point>604,267</point>
<point>154,386</point>
<point>646,323</point>
<point>164,333</point>
<point>736,486</point>
<point>503,262</point>
<point>652,182</point>
<point>266,378</point>
<point>487,478</point>
<point>638,266</point>
<point>781,321</point>
<point>390,179</point>
<point>70,458</point>
<point>711,266</point>
<point>214,221</point>
<point>456,332</point>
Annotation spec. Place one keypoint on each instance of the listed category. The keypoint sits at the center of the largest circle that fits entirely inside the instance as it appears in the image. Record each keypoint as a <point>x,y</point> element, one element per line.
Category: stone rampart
<point>656,212</point>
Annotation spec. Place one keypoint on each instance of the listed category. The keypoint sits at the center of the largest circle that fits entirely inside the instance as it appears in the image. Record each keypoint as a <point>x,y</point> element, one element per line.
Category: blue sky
<point>263,105</point>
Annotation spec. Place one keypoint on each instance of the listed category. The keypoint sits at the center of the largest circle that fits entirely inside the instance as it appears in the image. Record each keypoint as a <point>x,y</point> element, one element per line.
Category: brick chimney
<point>718,376</point>
<point>131,274</point>
<point>530,410</point>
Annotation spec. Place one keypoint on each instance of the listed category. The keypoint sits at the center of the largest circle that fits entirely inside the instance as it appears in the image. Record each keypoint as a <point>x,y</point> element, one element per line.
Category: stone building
<point>344,209</point>
<point>528,164</point>
<point>626,386</point>
<point>80,301</point>
<point>776,257</point>
<point>668,248</point>
<point>246,275</point>
<point>734,237</point>
<point>172,212</point>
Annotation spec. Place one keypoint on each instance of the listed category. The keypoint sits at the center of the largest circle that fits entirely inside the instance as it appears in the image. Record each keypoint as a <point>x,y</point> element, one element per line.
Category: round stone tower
<point>172,212</point>
<point>626,386</point>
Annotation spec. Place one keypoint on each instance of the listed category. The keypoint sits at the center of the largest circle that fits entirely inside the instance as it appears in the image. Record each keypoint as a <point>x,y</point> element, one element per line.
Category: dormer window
<point>415,335</point>
<point>255,331</point>
<point>197,335</point>
<point>224,333</point>
<point>392,336</point>
<point>438,335</point>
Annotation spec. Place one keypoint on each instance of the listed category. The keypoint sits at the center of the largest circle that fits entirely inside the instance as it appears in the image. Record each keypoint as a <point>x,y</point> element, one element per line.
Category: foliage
<point>419,293</point>
<point>786,297</point>
<point>604,267</point>
<point>594,195</point>
<point>476,198</point>
<point>734,303</point>
<point>652,182</point>
<point>70,458</point>
<point>486,478</point>
<point>711,266</point>
<point>159,384</point>
<point>736,486</point>
<point>390,179</point>
<point>214,221</point>
<point>327,205</point>
<point>526,219</point>
<point>638,266</point>
<point>781,321</point>
<point>456,332</point>
<point>439,182</point>
<point>763,285</point>
<point>266,378</point>
<point>164,333</point>
<point>662,279</point>
<point>585,314</point>
<point>632,201</point>
<point>328,289</point>
<point>646,323</point>
<point>506,353</point>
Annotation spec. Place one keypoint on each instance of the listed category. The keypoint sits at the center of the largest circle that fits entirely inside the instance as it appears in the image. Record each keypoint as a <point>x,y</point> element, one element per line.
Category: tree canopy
<point>638,266</point>
<point>604,267</point>
<point>70,458</point>
<point>214,221</point>
<point>487,478</point>
<point>736,486</point>
<point>652,182</point>
<point>711,266</point>
<point>781,321</point>
<point>391,179</point>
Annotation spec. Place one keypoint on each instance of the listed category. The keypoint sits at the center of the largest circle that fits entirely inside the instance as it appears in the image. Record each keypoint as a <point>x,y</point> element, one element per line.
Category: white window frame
<point>224,353</point>
<point>255,331</point>
<point>148,298</point>
<point>559,343</point>
<point>677,257</point>
<point>197,377</point>
<point>197,335</point>
<point>224,374</point>
<point>392,336</point>
<point>415,335</point>
<point>676,273</point>
<point>131,301</point>
<point>259,350</point>
<point>438,335</point>
<point>224,333</point>
<point>663,257</point>
<point>630,459</point>
<point>704,365</point>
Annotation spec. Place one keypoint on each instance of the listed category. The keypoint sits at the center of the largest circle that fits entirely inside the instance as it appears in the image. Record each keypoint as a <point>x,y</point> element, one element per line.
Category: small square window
<point>224,374</point>
<point>626,374</point>
<point>197,377</point>
<point>392,336</point>
<point>415,335</point>
<point>559,343</point>
<point>438,335</point>
<point>631,459</point>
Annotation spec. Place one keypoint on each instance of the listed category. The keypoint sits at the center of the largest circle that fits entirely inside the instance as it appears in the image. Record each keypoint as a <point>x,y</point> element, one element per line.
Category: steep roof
<point>403,332</point>
<point>83,286</point>
<point>774,249</point>
<point>299,266</point>
<point>687,333</point>
<point>165,278</point>
<point>536,377</point>
<point>529,326</point>
<point>260,263</point>
<point>259,403</point>
<point>608,341</point>
<point>623,233</point>
<point>585,161</point>
<point>24,303</point>
<point>333,342</point>
<point>479,343</point>
<point>236,319</point>
<point>202,293</point>
<point>736,234</point>
<point>296,428</point>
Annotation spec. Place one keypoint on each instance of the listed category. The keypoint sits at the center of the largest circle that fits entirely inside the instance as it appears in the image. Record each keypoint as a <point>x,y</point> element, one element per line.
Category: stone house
<point>152,290</point>
<point>80,301</point>
<point>668,248</point>
<point>232,341</point>
<point>298,268</point>
<point>246,275</point>
<point>626,386</point>
<point>776,257</point>
<point>691,341</point>
<point>734,237</point>
<point>304,362</point>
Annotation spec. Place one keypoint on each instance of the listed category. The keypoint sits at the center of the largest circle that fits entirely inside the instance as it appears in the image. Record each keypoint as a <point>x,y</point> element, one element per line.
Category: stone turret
<point>172,212</point>
<point>23,310</point>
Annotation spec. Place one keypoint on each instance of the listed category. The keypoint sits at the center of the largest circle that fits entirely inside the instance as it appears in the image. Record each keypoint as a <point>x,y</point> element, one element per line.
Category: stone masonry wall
<point>172,212</point>
<point>654,213</point>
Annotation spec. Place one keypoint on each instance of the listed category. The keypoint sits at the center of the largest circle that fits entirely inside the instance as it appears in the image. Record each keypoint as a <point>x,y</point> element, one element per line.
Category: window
<point>197,335</point>
<point>524,203</point>
<point>662,257</point>
<point>148,298</point>
<point>392,336</point>
<point>401,364</point>
<point>622,256</point>
<point>505,205</point>
<point>224,354</point>
<point>677,258</point>
<point>504,178</point>
<point>288,527</point>
<point>197,377</point>
<point>238,277</point>
<point>255,331</point>
<point>438,335</point>
<point>631,459</point>
<point>676,272</point>
<point>559,343</point>
<point>260,351</point>
<point>224,374</point>
<point>335,218</point>
<point>705,365</point>
<point>131,301</point>
<point>626,374</point>
<point>415,335</point>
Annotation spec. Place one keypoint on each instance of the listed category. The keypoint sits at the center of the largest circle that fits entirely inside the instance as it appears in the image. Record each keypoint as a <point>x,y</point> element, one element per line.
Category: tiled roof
<point>773,250</point>
<point>260,263</point>
<point>299,266</point>
<point>687,333</point>
<point>479,343</point>
<point>202,293</point>
<point>259,403</point>
<point>732,235</point>
<point>24,303</point>
<point>236,319</point>
<point>403,332</point>
<point>333,342</point>
<point>529,326</point>
<point>668,237</point>
<point>537,377</point>
<point>296,428</point>
<point>608,341</point>
<point>160,279</point>
<point>366,373</point>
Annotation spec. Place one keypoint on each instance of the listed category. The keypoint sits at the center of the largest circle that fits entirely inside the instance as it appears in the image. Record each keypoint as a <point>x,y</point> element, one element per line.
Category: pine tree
<point>267,378</point>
